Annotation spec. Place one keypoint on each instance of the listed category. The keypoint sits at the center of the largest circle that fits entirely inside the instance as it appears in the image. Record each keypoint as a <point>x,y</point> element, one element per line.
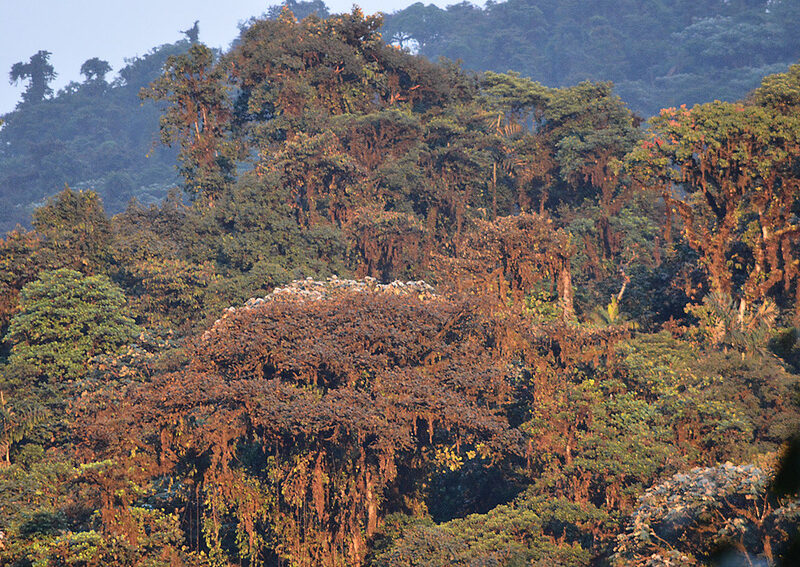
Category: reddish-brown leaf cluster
<point>339,397</point>
<point>310,420</point>
<point>505,258</point>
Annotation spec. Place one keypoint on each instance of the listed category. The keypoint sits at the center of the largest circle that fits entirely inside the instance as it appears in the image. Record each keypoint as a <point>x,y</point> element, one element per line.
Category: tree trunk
<point>565,293</point>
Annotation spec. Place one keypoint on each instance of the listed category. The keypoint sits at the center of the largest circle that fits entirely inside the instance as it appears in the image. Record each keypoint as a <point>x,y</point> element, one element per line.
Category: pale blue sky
<point>77,30</point>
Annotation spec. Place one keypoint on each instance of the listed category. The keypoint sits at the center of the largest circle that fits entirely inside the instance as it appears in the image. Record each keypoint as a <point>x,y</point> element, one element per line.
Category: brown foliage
<point>388,243</point>
<point>504,258</point>
<point>337,398</point>
<point>737,169</point>
<point>302,423</point>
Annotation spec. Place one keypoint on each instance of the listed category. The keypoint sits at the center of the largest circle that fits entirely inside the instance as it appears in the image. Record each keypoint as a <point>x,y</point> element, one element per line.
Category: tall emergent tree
<point>95,70</point>
<point>198,117</point>
<point>193,33</point>
<point>39,72</point>
<point>728,173</point>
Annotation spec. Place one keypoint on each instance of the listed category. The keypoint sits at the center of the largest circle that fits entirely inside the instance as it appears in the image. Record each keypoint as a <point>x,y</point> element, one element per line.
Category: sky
<point>77,30</point>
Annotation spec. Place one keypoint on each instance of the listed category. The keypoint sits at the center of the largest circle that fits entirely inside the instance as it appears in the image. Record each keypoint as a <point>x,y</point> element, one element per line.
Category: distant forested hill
<point>95,135</point>
<point>659,53</point>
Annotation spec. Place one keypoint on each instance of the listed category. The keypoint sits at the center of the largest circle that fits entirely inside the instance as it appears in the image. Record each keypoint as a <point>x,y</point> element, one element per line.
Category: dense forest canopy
<point>96,135</point>
<point>659,54</point>
<point>399,313</point>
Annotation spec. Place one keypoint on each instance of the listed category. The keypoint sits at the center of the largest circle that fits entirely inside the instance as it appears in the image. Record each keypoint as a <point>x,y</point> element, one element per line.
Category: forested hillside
<point>659,54</point>
<point>398,313</point>
<point>92,135</point>
<point>97,135</point>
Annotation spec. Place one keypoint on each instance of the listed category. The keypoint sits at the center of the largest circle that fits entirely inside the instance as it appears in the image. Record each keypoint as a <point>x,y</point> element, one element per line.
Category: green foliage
<point>609,316</point>
<point>158,543</point>
<point>530,530</point>
<point>300,10</point>
<point>173,291</point>
<point>728,175</point>
<point>95,70</point>
<point>578,134</point>
<point>659,53</point>
<point>596,443</point>
<point>723,325</point>
<point>260,227</point>
<point>718,406</point>
<point>87,141</point>
<point>65,319</point>
<point>780,91</point>
<point>48,518</point>
<point>21,259</point>
<point>562,149</point>
<point>543,304</point>
<point>784,344</point>
<point>16,423</point>
<point>339,423</point>
<point>196,118</point>
<point>40,500</point>
<point>39,72</point>
<point>76,230</point>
